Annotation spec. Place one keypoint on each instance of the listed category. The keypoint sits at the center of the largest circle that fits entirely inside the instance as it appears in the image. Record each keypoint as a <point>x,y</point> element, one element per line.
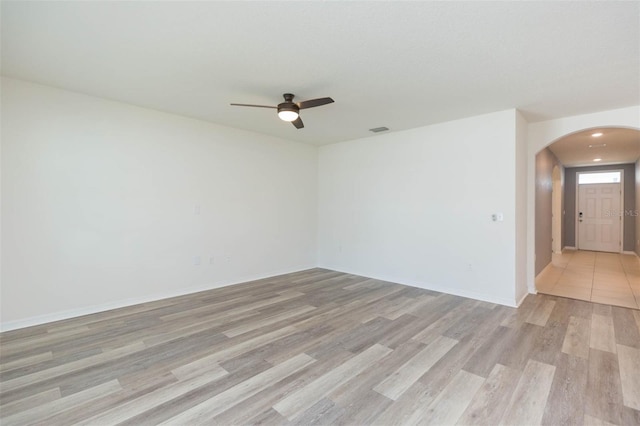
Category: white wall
<point>415,207</point>
<point>637,208</point>
<point>521,290</point>
<point>99,204</point>
<point>544,133</point>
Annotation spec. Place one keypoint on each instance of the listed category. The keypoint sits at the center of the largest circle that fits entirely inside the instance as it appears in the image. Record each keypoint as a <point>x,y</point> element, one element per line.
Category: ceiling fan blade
<point>255,106</point>
<point>314,103</point>
<point>298,123</point>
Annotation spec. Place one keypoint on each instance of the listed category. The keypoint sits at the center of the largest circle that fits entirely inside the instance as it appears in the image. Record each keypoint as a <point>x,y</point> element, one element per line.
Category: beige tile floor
<point>607,278</point>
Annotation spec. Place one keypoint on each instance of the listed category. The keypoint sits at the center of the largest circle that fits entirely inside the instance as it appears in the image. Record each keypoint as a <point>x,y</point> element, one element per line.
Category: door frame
<point>577,231</point>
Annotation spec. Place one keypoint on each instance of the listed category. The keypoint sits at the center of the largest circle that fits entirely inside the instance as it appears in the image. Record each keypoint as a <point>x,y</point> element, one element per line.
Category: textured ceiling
<point>394,64</point>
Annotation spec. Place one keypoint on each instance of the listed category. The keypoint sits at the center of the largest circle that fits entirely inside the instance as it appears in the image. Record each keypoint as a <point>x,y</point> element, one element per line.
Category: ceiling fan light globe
<point>287,115</point>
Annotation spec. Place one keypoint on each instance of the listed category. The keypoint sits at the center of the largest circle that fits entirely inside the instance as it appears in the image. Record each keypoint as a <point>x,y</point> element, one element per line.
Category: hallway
<point>607,278</point>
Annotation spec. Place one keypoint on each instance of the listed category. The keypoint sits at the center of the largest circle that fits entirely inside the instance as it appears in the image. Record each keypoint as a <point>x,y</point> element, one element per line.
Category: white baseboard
<point>630,252</point>
<point>524,296</point>
<point>435,287</point>
<point>74,313</point>
<point>570,248</point>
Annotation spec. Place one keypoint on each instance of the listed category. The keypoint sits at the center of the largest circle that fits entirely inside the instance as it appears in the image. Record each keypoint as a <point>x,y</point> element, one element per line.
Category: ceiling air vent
<point>379,129</point>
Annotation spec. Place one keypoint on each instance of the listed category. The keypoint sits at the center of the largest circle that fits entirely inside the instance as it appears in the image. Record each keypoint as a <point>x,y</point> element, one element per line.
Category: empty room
<point>332,213</point>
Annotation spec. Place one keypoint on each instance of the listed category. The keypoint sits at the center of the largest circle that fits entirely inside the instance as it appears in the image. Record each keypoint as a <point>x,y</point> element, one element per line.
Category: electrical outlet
<point>196,260</point>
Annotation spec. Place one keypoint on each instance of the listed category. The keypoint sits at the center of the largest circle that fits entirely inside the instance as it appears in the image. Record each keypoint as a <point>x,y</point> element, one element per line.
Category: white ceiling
<point>394,64</point>
<point>615,146</point>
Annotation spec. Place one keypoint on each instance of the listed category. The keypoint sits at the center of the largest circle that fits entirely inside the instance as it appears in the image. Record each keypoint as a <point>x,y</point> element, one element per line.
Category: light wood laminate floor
<point>607,278</point>
<point>322,347</point>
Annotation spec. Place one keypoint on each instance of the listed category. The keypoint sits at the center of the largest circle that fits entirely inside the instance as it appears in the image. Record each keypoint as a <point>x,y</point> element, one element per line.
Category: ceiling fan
<point>290,111</point>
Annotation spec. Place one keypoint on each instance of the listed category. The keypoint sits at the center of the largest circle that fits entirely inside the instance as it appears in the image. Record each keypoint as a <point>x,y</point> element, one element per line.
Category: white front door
<point>599,217</point>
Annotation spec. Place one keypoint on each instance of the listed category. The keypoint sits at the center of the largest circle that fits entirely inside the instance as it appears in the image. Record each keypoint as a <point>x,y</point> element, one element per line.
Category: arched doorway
<point>599,273</point>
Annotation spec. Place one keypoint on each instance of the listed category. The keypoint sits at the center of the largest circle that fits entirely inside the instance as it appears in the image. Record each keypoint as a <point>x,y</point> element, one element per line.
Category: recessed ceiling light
<point>597,159</point>
<point>596,135</point>
<point>598,145</point>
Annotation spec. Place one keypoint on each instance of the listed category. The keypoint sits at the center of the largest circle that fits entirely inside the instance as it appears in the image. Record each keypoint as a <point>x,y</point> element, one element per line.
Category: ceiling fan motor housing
<point>288,104</point>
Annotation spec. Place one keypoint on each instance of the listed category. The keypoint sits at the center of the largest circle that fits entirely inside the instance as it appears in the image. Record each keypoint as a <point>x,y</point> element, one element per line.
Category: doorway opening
<point>586,215</point>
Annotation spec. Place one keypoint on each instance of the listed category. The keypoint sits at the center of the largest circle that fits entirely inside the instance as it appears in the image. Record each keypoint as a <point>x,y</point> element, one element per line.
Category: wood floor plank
<point>198,368</point>
<point>367,337</point>
<point>417,398</point>
<point>263,401</point>
<point>468,323</point>
<point>489,403</point>
<point>227,399</point>
<point>592,421</point>
<point>405,376</point>
<point>636,316</point>
<point>566,401</point>
<point>541,312</point>
<point>315,344</point>
<point>519,346</point>
<point>603,396</point>
<point>629,363</point>
<point>365,409</point>
<point>263,322</point>
<point>30,402</point>
<point>26,361</point>
<point>81,411</point>
<point>454,399</point>
<point>298,402</point>
<point>530,396</point>
<point>349,393</point>
<point>70,367</point>
<point>430,385</point>
<point>548,343</point>
<point>602,333</point>
<point>323,412</point>
<point>406,305</point>
<point>520,315</point>
<point>600,309</point>
<point>497,343</point>
<point>146,402</point>
<point>623,323</point>
<point>630,416</point>
<point>441,317</point>
<point>232,350</point>
<point>576,341</point>
<point>35,414</point>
